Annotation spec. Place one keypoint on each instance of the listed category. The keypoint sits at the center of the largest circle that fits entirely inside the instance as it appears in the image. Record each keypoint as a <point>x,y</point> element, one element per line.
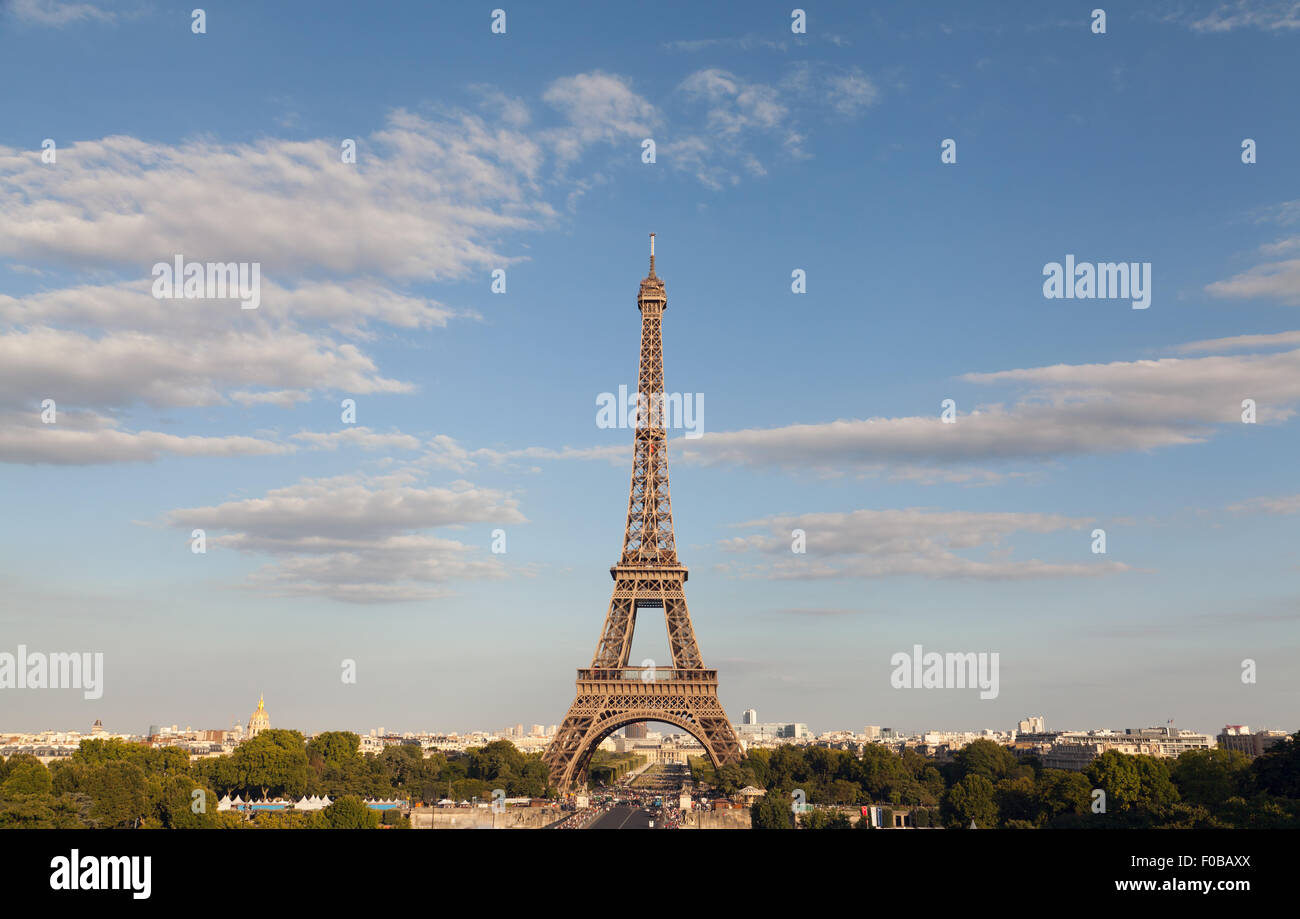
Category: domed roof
<point>260,720</point>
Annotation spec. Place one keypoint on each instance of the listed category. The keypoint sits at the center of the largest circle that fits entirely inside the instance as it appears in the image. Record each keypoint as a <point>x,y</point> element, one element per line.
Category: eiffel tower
<point>611,694</point>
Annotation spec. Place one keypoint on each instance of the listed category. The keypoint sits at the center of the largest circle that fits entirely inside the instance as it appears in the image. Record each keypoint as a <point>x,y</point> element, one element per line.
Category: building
<point>771,732</point>
<point>1238,737</point>
<point>1035,724</point>
<point>1074,750</point>
<point>637,731</point>
<point>749,717</point>
<point>259,721</point>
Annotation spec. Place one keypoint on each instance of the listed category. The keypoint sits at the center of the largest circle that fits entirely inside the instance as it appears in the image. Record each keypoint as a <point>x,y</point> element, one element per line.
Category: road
<point>623,817</point>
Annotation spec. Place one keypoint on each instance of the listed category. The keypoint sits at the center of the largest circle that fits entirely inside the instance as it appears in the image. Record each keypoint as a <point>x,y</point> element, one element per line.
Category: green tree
<point>1278,769</point>
<point>732,777</point>
<point>1156,793</point>
<point>1060,792</point>
<point>819,819</point>
<point>348,813</point>
<point>1211,777</point>
<point>286,820</point>
<point>985,758</point>
<point>28,778</point>
<point>881,771</point>
<point>274,763</point>
<point>1017,801</point>
<point>970,799</point>
<point>787,768</point>
<point>335,747</point>
<point>772,812</point>
<point>498,759</point>
<point>117,792</point>
<point>175,805</point>
<point>1116,774</point>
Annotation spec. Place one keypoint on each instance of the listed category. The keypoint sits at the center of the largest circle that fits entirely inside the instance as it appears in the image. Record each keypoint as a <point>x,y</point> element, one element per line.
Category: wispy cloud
<point>909,542</point>
<point>1266,15</point>
<point>58,13</point>
<point>1285,504</point>
<point>358,539</point>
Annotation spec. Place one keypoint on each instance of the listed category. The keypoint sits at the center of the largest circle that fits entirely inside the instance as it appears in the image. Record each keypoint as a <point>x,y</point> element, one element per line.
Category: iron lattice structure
<point>611,694</point>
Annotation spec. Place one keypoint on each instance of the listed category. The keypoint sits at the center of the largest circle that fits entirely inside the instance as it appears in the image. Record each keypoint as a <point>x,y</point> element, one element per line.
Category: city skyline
<point>833,281</point>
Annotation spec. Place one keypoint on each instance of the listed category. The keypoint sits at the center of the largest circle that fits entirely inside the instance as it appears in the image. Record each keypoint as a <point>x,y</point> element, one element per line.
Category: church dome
<point>260,720</point>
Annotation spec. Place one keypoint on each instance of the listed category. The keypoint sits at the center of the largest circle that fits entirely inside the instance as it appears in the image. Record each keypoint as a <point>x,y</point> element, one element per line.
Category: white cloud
<point>1063,410</point>
<point>58,12</point>
<point>123,368</point>
<point>424,199</point>
<point>741,113</point>
<point>851,92</point>
<point>1274,280</point>
<point>285,398</point>
<point>600,108</point>
<point>81,438</point>
<point>1241,343</point>
<point>361,437</point>
<point>359,539</point>
<point>1268,15</point>
<point>913,541</point>
<point>1286,504</point>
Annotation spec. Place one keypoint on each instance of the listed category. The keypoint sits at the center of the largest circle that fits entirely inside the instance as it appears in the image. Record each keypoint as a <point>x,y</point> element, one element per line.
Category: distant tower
<point>750,717</point>
<point>260,720</point>
<point>639,731</point>
<point>97,727</point>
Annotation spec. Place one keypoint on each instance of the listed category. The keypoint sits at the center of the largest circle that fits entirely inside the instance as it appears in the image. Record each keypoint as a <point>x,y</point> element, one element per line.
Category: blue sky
<point>476,411</point>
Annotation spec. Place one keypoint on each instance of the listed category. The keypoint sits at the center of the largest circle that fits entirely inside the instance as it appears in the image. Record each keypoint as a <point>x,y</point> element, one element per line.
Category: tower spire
<point>652,255</point>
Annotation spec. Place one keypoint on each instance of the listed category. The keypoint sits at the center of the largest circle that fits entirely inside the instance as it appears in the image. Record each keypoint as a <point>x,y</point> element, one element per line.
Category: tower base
<point>610,699</point>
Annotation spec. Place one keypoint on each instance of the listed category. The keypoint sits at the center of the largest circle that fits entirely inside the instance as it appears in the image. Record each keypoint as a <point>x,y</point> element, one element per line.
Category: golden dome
<point>260,720</point>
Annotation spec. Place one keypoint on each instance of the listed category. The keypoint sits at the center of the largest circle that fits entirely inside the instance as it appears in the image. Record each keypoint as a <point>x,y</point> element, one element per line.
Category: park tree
<point>334,747</point>
<point>771,812</point>
<point>757,762</point>
<point>972,798</point>
<point>881,770</point>
<point>842,791</point>
<point>174,805</point>
<point>1277,770</point>
<point>1156,793</point>
<point>348,813</point>
<point>497,762</point>
<point>787,768</point>
<point>824,820</point>
<point>1116,774</point>
<point>117,791</point>
<point>985,758</point>
<point>273,762</point>
<point>1211,777</point>
<point>1017,801</point>
<point>732,777</point>
<point>1061,793</point>
<point>27,778</point>
<point>535,779</point>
